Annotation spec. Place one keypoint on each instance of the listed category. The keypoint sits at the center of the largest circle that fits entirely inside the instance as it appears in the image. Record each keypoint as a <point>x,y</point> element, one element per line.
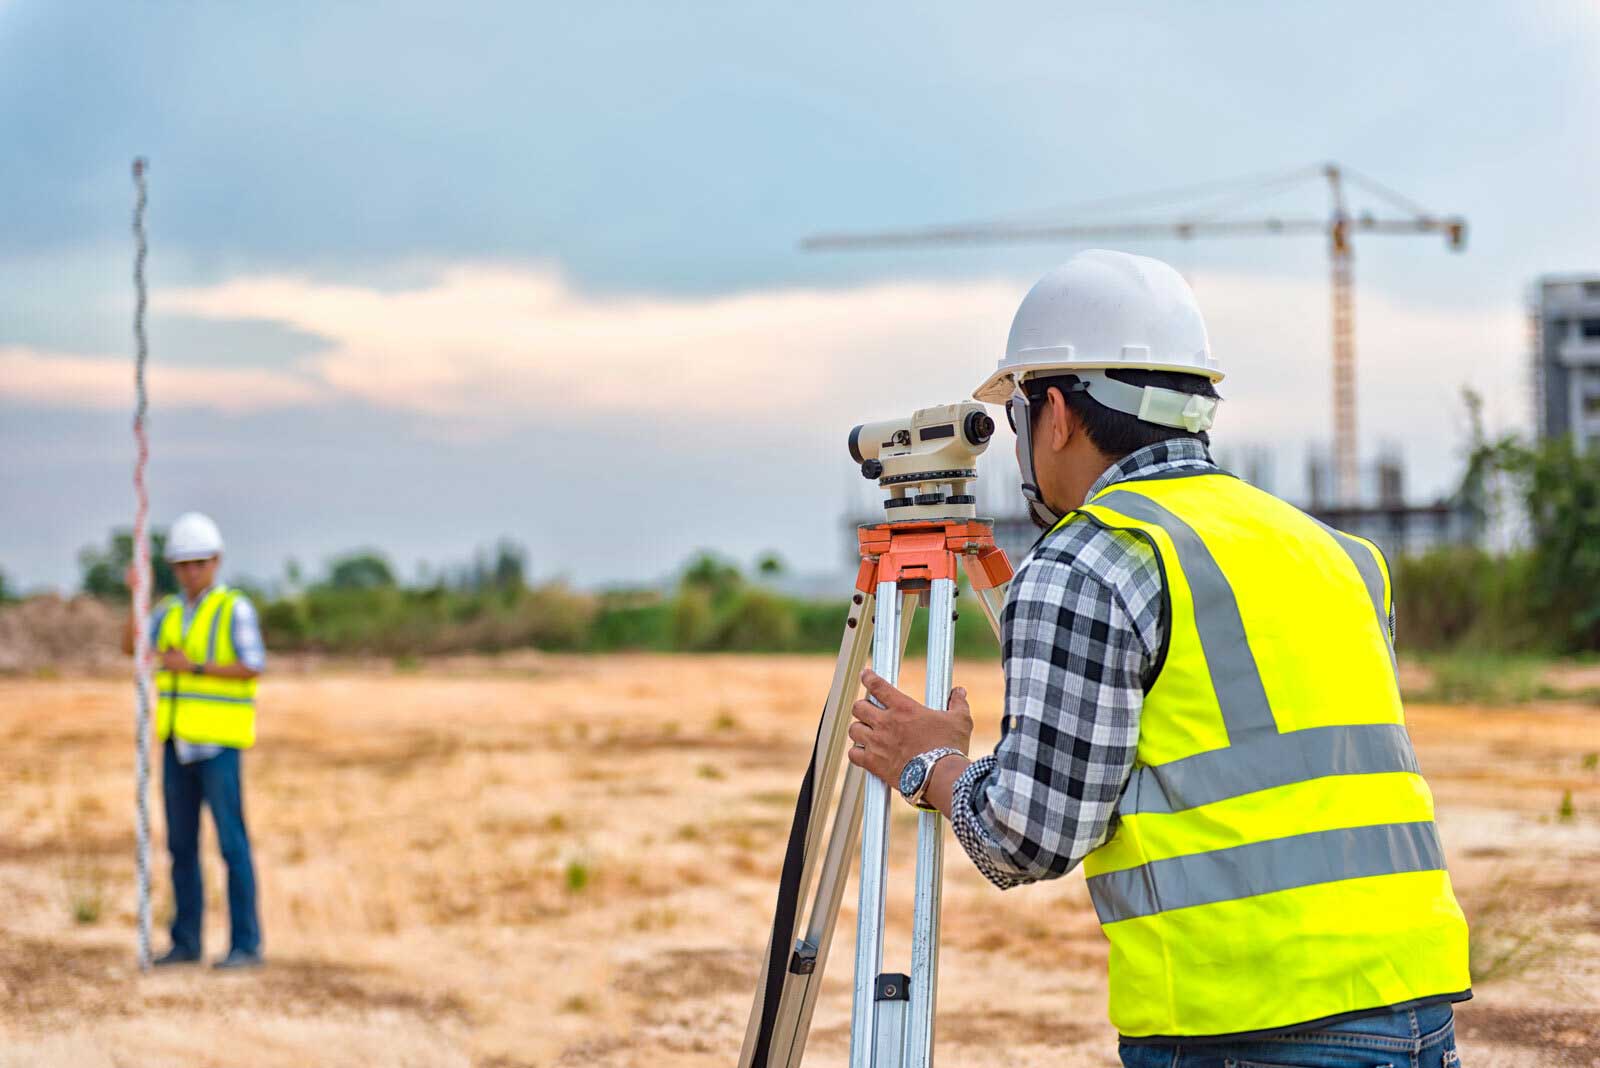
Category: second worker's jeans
<point>216,783</point>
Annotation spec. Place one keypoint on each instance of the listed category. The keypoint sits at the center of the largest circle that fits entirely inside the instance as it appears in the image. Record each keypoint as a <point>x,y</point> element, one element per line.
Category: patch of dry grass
<point>577,865</point>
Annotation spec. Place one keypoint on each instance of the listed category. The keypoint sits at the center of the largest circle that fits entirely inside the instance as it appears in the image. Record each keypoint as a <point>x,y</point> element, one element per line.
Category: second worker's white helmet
<point>193,536</point>
<point>1104,310</point>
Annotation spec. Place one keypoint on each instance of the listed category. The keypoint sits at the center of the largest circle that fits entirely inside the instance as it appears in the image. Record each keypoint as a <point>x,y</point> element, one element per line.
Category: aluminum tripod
<point>891,1025</point>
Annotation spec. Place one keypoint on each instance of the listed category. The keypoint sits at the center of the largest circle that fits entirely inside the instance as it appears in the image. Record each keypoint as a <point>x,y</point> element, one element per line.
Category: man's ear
<point>1061,421</point>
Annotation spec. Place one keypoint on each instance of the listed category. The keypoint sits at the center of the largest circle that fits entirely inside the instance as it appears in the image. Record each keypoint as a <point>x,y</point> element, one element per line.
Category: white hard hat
<point>193,537</point>
<point>1105,310</point>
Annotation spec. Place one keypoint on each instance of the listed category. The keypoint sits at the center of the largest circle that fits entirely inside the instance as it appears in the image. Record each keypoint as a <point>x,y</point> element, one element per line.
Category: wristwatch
<point>918,771</point>
<point>199,669</point>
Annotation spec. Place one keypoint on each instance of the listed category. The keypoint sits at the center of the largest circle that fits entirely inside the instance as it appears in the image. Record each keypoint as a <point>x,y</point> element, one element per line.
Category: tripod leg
<point>829,892</point>
<point>990,598</point>
<point>811,949</point>
<point>786,991</point>
<point>930,844</point>
<point>874,848</point>
<point>765,1040</point>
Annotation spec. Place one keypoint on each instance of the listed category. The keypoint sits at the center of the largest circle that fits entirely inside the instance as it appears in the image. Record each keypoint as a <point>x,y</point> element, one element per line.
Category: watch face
<point>911,777</point>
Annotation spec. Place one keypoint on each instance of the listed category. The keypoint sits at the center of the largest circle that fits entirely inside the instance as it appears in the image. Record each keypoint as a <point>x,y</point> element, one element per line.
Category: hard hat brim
<point>1000,385</point>
<point>188,557</point>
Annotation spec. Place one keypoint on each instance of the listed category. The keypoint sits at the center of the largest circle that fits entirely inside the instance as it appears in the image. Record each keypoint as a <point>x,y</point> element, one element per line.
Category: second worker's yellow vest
<point>203,708</point>
<point>1275,861</point>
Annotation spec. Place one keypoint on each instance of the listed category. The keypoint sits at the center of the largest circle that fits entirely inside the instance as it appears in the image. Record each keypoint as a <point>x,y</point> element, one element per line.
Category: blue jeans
<point>1409,1038</point>
<point>216,783</point>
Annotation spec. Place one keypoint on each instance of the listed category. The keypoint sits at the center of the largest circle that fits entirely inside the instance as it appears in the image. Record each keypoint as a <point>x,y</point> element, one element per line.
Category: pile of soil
<point>51,632</point>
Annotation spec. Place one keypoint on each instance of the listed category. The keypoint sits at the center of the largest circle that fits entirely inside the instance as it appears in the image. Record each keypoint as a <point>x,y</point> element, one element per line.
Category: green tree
<point>510,566</point>
<point>713,576</point>
<point>365,569</point>
<point>6,592</point>
<point>105,569</point>
<point>1559,489</point>
<point>770,566</point>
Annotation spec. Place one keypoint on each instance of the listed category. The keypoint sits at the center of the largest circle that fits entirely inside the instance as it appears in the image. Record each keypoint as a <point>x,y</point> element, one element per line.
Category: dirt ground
<point>571,861</point>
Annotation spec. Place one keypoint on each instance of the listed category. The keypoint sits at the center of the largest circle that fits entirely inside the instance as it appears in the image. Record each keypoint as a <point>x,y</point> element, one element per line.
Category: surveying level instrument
<point>927,464</point>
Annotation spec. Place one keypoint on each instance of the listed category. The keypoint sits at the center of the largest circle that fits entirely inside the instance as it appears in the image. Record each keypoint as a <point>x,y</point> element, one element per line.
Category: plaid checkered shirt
<point>1081,632</point>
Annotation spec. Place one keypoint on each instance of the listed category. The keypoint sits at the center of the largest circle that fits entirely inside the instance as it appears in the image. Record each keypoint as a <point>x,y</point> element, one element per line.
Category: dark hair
<point>1117,433</point>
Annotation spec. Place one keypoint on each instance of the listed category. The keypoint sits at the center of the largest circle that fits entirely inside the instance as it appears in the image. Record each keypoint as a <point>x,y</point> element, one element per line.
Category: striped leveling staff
<point>141,577</point>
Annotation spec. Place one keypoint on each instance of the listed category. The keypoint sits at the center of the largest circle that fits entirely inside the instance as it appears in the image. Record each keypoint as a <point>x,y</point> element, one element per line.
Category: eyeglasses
<point>1011,403</point>
<point>1023,403</point>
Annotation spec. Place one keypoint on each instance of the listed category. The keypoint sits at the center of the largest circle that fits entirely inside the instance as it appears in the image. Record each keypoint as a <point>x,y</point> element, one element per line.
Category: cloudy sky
<point>428,275</point>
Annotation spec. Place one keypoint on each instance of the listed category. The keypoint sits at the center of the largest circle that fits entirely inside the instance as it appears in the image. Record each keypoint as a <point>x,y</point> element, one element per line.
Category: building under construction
<point>1566,357</point>
<point>1383,515</point>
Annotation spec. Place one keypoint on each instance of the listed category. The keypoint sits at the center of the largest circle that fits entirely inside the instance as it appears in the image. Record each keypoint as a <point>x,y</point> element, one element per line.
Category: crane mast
<point>1342,284</point>
<point>1339,226</point>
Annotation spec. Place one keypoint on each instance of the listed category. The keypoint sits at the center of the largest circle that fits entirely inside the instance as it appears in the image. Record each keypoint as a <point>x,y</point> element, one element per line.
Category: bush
<point>285,624</point>
<point>632,621</point>
<point>555,617</point>
<point>691,619</point>
<point>359,608</point>
<point>391,621</point>
<point>758,621</point>
<point>1465,598</point>
<point>819,625</point>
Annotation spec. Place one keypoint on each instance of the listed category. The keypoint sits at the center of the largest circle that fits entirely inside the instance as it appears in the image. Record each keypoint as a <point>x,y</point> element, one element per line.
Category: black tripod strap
<point>785,914</point>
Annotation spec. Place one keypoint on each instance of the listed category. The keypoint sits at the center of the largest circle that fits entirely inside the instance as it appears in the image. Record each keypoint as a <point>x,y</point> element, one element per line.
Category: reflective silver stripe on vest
<point>1234,674</point>
<point>1264,762</point>
<point>1265,868</point>
<point>1372,577</point>
<point>188,695</point>
<point>216,621</point>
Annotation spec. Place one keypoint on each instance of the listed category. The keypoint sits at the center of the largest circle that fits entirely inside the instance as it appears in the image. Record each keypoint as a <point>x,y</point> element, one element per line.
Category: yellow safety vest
<point>1275,861</point>
<point>203,708</point>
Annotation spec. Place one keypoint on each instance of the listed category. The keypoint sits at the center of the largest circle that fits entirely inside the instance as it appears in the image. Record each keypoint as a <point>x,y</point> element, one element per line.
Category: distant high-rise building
<point>1566,357</point>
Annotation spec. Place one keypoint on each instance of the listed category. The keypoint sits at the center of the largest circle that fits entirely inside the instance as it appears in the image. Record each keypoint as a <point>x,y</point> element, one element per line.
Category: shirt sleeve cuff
<point>969,829</point>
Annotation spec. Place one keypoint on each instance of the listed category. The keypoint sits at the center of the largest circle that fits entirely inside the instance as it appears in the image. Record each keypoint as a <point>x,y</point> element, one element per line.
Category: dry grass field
<point>567,861</point>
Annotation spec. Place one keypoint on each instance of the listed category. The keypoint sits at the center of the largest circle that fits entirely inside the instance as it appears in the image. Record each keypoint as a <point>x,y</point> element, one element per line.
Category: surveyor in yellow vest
<point>1201,708</point>
<point>208,653</point>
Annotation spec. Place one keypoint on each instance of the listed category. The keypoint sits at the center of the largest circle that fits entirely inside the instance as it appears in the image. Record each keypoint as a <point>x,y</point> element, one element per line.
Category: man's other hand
<point>883,740</point>
<point>174,660</point>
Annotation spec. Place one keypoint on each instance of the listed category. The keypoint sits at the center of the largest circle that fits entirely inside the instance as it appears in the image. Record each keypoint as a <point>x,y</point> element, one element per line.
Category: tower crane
<point>1340,226</point>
